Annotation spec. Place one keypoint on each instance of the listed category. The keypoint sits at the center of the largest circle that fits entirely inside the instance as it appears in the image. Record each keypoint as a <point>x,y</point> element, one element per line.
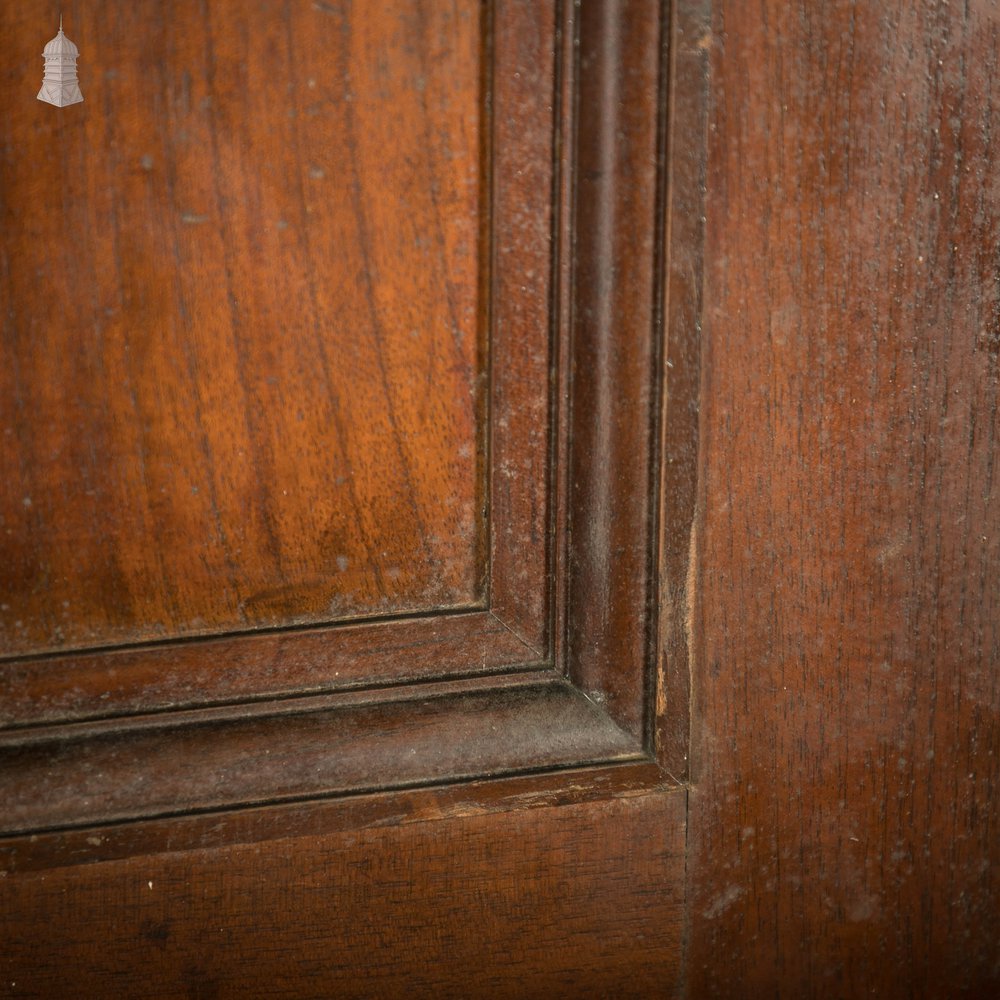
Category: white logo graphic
<point>60,86</point>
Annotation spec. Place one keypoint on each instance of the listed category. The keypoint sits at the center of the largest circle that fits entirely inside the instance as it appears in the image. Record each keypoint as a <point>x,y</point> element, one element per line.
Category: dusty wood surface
<point>846,737</point>
<point>180,763</point>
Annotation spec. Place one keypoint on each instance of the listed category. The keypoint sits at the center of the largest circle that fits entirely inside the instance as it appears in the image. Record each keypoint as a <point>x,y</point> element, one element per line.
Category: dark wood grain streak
<point>843,818</point>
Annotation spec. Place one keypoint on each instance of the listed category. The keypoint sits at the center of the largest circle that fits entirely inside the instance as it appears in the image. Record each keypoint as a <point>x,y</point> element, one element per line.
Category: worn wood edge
<point>248,669</point>
<point>682,432</point>
<point>198,765</point>
<point>288,821</point>
<point>685,141</point>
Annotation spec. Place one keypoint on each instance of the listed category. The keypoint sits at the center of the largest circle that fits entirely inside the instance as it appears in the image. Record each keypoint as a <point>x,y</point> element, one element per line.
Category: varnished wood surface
<point>173,729</point>
<point>463,888</point>
<point>241,289</point>
<point>516,149</point>
<point>843,829</point>
<point>839,607</point>
<point>473,888</point>
<point>558,905</point>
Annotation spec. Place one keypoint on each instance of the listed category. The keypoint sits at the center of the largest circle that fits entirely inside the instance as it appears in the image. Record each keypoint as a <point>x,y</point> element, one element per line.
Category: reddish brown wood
<point>104,763</point>
<point>558,905</point>
<point>421,860</point>
<point>834,599</point>
<point>241,359</point>
<point>233,669</point>
<point>524,136</point>
<point>847,730</point>
<point>518,62</point>
<point>129,767</point>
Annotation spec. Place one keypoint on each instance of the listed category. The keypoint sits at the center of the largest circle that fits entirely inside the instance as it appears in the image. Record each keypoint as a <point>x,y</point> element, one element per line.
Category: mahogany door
<point>495,500</point>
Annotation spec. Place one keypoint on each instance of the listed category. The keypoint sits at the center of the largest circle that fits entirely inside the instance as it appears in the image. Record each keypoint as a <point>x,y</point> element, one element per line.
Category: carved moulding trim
<point>604,709</point>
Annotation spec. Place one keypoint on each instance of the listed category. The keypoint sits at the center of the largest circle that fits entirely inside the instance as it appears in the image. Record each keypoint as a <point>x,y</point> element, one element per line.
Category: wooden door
<point>496,501</point>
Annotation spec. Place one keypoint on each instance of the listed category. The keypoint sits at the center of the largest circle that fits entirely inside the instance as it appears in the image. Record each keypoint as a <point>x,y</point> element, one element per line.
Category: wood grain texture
<point>541,902</point>
<point>512,74</point>
<point>428,855</point>
<point>241,293</point>
<point>847,726</point>
<point>173,728</point>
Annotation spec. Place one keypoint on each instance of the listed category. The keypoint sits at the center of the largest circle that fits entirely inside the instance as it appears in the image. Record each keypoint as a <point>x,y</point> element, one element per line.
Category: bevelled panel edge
<point>178,767</point>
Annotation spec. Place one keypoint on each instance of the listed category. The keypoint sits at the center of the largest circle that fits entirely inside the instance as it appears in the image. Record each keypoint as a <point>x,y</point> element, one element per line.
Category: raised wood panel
<point>243,319</point>
<point>558,669</point>
<point>846,740</point>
